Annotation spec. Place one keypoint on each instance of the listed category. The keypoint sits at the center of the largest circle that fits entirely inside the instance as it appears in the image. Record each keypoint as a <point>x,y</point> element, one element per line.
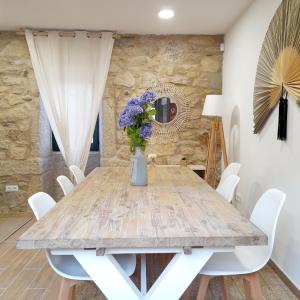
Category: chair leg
<point>224,289</point>
<point>255,289</point>
<point>204,281</point>
<point>66,291</point>
<point>72,292</point>
<point>247,290</point>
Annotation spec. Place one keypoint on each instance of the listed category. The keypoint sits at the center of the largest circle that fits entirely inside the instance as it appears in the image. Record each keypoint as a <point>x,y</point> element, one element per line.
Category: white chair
<point>228,187</point>
<point>77,173</point>
<point>66,265</point>
<point>247,260</point>
<point>231,169</point>
<point>65,183</point>
<point>41,203</point>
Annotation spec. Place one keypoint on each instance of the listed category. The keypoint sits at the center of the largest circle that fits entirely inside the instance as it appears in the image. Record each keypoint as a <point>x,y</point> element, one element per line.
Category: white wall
<point>266,162</point>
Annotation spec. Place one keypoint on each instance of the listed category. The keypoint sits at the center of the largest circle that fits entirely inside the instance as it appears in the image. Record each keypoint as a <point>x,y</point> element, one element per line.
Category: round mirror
<point>166,110</point>
<point>173,113</point>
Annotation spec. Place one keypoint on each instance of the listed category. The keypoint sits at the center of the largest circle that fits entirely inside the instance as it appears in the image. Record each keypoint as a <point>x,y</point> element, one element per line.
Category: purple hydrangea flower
<point>133,110</point>
<point>146,131</point>
<point>133,101</point>
<point>126,117</point>
<point>125,120</point>
<point>146,98</point>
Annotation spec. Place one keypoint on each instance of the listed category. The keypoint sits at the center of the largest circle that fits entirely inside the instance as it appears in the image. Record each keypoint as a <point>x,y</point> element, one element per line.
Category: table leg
<point>107,273</point>
<point>143,274</point>
<point>178,275</point>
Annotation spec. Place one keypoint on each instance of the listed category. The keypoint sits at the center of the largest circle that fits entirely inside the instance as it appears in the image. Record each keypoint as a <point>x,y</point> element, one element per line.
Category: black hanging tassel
<point>282,119</point>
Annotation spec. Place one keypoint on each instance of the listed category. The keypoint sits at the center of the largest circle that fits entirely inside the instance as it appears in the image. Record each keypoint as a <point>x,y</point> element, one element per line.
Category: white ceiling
<point>125,16</point>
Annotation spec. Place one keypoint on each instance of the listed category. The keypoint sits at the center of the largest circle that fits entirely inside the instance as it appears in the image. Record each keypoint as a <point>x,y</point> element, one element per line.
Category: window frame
<point>95,145</point>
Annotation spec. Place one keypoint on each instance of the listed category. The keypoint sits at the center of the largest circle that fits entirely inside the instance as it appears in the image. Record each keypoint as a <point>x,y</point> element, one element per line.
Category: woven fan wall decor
<point>278,70</point>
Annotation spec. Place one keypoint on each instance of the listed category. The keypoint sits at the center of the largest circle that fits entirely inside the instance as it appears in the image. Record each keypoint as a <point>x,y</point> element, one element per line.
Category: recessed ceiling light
<point>166,14</point>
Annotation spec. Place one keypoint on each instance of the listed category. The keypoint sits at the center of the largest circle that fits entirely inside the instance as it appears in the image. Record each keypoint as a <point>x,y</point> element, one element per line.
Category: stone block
<point>24,124</point>
<point>186,150</point>
<point>15,135</point>
<point>148,80</point>
<point>210,64</point>
<point>163,149</point>
<point>196,113</point>
<point>27,97</point>
<point>194,124</point>
<point>124,79</point>
<point>15,113</point>
<point>139,60</point>
<point>12,80</point>
<point>20,167</point>
<point>121,137</point>
<point>189,135</point>
<point>124,152</point>
<point>14,99</point>
<point>180,79</point>
<point>175,159</point>
<point>4,144</point>
<point>114,162</point>
<point>214,80</point>
<point>2,155</point>
<point>4,103</point>
<point>114,67</point>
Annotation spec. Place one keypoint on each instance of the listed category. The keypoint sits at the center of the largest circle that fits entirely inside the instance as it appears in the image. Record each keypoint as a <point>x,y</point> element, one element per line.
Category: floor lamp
<point>213,108</point>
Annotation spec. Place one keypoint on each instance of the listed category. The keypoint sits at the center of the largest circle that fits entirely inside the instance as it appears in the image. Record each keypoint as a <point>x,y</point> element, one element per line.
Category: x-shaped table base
<point>115,284</point>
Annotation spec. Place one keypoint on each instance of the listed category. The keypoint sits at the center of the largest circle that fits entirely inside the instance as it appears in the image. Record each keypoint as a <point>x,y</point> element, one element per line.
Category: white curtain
<point>71,73</point>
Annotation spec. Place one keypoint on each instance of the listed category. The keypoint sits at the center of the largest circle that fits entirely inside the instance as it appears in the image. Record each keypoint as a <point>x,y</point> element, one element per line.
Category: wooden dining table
<point>177,212</point>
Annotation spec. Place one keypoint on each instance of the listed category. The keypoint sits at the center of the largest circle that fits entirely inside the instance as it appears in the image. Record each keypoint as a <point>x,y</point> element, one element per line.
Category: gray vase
<point>139,168</point>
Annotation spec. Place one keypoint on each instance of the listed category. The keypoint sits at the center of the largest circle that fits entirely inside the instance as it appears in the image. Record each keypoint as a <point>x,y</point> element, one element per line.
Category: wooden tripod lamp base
<point>216,134</point>
<point>213,107</point>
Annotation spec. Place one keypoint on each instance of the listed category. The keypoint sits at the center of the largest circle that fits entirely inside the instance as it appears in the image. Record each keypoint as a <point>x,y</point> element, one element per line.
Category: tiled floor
<point>10,224</point>
<point>25,275</point>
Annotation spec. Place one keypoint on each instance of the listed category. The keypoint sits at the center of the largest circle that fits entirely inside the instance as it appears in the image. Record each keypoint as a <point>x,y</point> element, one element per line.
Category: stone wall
<point>19,125</point>
<point>26,156</point>
<point>192,63</point>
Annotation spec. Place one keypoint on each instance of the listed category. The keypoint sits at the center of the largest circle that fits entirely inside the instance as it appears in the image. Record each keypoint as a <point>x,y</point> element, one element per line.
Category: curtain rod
<point>89,34</point>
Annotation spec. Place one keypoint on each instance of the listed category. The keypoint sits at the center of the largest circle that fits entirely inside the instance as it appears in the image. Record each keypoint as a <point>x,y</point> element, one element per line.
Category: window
<point>94,144</point>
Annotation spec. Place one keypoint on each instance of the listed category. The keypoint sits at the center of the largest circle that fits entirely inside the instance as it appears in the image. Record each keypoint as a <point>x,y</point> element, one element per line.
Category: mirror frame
<point>164,133</point>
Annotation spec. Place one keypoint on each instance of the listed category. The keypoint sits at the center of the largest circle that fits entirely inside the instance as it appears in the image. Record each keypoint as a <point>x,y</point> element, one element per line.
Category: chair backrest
<point>77,173</point>
<point>266,213</point>
<point>65,183</point>
<point>231,169</point>
<point>228,187</point>
<point>40,204</point>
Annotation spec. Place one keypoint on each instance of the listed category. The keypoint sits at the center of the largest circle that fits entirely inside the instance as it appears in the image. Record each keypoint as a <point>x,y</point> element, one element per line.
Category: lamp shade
<point>213,106</point>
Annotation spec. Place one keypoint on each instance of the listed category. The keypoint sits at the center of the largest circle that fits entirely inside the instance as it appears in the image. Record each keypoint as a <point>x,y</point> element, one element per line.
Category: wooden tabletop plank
<point>176,209</point>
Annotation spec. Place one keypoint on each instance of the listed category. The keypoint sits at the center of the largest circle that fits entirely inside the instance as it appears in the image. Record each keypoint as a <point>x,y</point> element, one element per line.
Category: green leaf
<point>152,112</point>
